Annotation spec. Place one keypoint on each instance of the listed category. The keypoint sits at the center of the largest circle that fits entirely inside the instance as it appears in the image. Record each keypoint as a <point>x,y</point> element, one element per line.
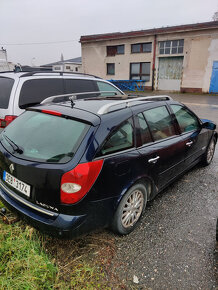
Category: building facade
<point>73,65</point>
<point>179,58</point>
<point>68,67</point>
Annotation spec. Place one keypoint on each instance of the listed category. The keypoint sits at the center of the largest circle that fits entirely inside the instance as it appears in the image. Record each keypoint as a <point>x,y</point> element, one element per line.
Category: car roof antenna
<point>72,99</point>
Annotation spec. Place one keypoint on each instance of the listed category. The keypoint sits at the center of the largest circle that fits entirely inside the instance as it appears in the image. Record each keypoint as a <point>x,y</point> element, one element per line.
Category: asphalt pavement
<point>174,246</point>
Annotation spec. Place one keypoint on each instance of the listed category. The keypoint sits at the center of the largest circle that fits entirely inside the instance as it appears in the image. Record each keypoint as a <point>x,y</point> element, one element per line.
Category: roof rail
<point>6,71</point>
<point>129,103</point>
<point>72,96</point>
<point>27,74</point>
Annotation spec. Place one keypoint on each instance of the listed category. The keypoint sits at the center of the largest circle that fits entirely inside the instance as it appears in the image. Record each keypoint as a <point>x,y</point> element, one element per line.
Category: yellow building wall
<point>195,61</point>
<point>200,50</point>
<point>95,59</point>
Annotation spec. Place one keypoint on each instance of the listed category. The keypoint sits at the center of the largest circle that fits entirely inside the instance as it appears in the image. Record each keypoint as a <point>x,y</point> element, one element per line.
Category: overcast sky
<point>38,31</point>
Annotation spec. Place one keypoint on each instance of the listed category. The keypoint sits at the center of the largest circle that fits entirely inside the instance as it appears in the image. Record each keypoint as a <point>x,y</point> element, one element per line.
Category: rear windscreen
<point>43,137</point>
<point>6,85</point>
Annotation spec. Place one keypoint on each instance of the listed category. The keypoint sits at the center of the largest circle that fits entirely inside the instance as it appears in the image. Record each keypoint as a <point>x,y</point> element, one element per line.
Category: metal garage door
<point>214,78</point>
<point>170,73</point>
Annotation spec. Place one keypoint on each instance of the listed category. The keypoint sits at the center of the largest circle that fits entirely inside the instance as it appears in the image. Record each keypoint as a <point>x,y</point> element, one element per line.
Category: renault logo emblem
<point>11,167</point>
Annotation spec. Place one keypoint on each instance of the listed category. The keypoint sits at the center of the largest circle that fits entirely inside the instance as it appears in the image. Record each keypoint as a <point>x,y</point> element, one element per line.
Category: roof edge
<point>153,31</point>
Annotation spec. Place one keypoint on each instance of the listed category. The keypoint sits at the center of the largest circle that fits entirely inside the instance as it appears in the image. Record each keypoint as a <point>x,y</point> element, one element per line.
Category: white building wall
<point>68,67</point>
<point>4,65</point>
<point>73,67</point>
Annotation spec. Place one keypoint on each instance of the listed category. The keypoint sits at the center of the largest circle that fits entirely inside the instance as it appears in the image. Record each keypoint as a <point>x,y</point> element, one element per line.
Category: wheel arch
<point>146,181</point>
<point>215,136</point>
<point>149,185</point>
<point>126,217</point>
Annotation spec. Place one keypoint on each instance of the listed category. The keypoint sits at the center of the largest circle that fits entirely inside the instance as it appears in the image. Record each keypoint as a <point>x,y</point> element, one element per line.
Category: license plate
<point>16,183</point>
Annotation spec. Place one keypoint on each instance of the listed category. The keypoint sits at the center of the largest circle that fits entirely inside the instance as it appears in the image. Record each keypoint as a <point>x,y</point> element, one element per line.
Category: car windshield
<point>43,137</point>
<point>6,85</point>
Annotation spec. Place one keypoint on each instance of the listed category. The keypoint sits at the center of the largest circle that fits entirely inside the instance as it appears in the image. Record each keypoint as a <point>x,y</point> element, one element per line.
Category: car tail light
<point>6,121</point>
<point>76,183</point>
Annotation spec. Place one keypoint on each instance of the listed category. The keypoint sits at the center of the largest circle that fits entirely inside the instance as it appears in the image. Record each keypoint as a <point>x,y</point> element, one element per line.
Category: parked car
<point>23,89</point>
<point>71,167</point>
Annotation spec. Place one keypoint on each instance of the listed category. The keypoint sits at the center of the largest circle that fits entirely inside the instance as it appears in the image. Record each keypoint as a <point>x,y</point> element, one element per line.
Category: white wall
<point>68,67</point>
<point>4,65</point>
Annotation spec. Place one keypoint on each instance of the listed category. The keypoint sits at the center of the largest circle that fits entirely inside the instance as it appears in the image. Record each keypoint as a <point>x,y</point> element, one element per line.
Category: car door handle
<point>189,143</point>
<point>153,160</point>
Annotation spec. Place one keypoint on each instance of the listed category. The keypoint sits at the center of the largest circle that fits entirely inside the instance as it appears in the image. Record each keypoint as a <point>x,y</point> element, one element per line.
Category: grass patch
<point>23,263</point>
<point>30,260</point>
<point>83,263</point>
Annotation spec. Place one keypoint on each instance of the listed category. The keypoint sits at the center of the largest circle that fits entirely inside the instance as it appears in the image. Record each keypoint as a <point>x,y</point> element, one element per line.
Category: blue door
<point>214,78</point>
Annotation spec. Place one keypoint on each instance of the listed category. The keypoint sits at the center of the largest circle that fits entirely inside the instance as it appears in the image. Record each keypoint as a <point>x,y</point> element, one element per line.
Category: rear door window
<point>121,139</point>
<point>6,85</point>
<point>160,123</point>
<point>187,121</point>
<point>80,86</point>
<point>44,137</point>
<point>35,91</point>
<point>144,130</point>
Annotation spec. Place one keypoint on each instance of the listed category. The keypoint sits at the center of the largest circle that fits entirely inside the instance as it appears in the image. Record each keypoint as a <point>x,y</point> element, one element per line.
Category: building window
<point>141,47</point>
<point>115,49</point>
<point>110,68</point>
<point>76,68</point>
<point>57,68</point>
<point>140,71</point>
<point>171,46</point>
<point>67,67</point>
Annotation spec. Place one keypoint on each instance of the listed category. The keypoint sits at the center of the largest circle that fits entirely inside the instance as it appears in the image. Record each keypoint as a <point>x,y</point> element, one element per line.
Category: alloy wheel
<point>210,151</point>
<point>132,209</point>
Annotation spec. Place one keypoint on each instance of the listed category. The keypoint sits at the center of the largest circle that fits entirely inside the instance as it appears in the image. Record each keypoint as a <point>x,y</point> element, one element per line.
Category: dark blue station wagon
<point>74,166</point>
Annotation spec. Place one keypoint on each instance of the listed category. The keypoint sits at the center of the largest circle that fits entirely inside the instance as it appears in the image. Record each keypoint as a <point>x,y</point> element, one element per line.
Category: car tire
<point>208,155</point>
<point>130,210</point>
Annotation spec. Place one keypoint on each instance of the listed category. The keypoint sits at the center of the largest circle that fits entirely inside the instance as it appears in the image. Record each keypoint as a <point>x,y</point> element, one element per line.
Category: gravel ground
<point>174,246</point>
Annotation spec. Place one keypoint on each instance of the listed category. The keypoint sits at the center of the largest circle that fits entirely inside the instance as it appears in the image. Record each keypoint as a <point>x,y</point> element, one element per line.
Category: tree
<point>215,16</point>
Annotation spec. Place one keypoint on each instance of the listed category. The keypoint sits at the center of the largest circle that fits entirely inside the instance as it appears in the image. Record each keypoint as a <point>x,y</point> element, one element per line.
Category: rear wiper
<point>58,157</point>
<point>15,147</point>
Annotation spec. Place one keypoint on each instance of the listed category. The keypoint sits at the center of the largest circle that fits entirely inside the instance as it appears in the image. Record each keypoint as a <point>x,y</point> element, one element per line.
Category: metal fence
<point>129,85</point>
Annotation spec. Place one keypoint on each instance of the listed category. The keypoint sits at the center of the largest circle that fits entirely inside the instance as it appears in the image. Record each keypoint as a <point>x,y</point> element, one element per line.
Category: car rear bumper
<point>49,222</point>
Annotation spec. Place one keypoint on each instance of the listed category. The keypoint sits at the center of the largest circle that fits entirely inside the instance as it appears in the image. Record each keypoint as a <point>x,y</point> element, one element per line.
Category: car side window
<point>6,85</point>
<point>144,131</point>
<point>80,86</point>
<point>36,90</point>
<point>102,86</point>
<point>187,121</point>
<point>160,123</point>
<point>120,139</point>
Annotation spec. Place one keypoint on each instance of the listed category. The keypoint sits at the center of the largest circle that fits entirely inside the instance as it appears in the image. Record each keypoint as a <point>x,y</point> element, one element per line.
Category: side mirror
<point>209,125</point>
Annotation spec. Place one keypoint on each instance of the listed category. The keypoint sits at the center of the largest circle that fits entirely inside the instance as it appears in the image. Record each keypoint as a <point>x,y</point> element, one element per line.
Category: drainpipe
<point>154,56</point>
